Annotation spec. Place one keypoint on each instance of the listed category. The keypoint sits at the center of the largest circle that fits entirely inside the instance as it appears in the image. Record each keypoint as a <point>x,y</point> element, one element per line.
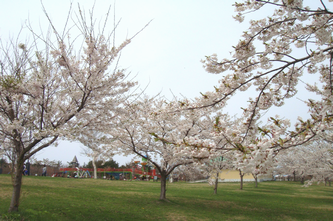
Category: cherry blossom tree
<point>97,146</point>
<point>50,91</point>
<point>272,56</point>
<point>189,172</point>
<point>155,130</point>
<point>314,160</point>
<point>255,163</point>
<point>214,167</point>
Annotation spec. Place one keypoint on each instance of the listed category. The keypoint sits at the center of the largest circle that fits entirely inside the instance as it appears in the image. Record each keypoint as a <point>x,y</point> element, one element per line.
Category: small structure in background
<point>74,163</point>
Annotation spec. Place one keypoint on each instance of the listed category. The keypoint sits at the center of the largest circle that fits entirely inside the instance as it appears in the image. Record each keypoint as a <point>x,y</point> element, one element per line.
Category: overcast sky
<point>166,55</point>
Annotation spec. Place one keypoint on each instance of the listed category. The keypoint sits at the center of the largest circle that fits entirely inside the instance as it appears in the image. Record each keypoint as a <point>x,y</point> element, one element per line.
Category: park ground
<point>47,198</point>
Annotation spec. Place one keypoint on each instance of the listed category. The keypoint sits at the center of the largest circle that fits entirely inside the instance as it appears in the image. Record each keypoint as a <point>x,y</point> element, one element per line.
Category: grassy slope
<point>46,198</point>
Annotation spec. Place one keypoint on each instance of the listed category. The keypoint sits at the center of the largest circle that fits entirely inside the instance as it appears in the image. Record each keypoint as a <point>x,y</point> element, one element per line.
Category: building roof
<point>74,160</point>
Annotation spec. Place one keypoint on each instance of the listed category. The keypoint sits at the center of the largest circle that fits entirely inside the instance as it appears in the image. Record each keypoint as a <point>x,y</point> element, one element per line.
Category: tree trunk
<point>17,184</point>
<point>294,175</point>
<point>241,179</point>
<point>163,186</point>
<point>95,169</point>
<point>255,179</point>
<point>216,183</point>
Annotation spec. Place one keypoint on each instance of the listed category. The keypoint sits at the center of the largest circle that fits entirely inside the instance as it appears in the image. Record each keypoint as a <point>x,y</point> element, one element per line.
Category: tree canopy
<point>49,90</point>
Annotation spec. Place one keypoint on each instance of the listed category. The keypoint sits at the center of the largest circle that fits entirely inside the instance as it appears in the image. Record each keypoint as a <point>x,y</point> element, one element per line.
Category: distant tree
<point>103,164</point>
<point>314,160</point>
<point>97,147</point>
<point>190,172</point>
<point>110,163</point>
<point>98,164</point>
<point>214,167</point>
<point>51,163</point>
<point>127,165</point>
<point>3,161</point>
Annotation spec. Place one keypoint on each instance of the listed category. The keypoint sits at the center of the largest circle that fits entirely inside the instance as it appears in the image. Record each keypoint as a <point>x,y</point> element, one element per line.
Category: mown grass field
<point>46,198</point>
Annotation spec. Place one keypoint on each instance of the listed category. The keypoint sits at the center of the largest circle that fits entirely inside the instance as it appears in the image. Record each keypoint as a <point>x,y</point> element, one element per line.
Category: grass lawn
<point>46,198</point>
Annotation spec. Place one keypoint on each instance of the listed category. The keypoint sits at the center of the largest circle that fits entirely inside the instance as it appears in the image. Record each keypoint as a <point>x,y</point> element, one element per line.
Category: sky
<point>164,57</point>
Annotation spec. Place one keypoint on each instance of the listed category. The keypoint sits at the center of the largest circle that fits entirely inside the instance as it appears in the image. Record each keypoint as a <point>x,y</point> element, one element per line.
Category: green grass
<point>46,198</point>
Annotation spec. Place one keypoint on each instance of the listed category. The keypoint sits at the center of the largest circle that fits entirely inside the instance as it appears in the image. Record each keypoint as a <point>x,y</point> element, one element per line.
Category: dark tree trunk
<point>241,179</point>
<point>216,183</point>
<point>17,184</point>
<point>163,186</point>
<point>294,175</point>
